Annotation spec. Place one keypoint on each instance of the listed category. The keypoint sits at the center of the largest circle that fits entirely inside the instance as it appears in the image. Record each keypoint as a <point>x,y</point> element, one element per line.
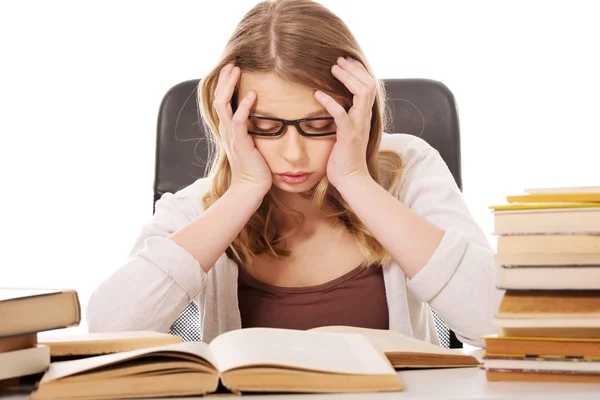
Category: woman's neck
<point>295,202</point>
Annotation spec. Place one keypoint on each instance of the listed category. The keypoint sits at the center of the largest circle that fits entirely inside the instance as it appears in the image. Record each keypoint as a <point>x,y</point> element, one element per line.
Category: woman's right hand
<point>248,167</point>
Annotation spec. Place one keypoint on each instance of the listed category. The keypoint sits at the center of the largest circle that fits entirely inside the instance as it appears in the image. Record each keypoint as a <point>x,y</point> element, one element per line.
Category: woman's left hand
<point>348,159</point>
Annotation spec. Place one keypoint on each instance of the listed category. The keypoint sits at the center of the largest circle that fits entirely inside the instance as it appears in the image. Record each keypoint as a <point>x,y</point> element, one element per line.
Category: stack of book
<point>23,314</point>
<point>549,319</point>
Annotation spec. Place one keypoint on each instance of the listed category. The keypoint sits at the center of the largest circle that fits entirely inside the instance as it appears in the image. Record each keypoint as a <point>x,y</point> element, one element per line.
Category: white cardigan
<point>160,278</point>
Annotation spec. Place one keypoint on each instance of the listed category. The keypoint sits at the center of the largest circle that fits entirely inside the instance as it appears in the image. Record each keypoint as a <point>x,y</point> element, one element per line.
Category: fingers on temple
<point>228,78</point>
<point>240,118</point>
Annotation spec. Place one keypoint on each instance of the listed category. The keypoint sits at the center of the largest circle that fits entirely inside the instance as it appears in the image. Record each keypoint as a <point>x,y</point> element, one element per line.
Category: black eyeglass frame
<point>295,123</point>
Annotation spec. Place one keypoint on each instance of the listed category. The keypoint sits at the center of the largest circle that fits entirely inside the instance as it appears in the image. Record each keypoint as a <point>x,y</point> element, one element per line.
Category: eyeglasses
<point>310,127</point>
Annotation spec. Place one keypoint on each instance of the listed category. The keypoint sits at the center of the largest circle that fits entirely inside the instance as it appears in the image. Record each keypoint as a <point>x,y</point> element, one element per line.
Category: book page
<point>317,351</point>
<point>63,369</point>
<point>391,341</point>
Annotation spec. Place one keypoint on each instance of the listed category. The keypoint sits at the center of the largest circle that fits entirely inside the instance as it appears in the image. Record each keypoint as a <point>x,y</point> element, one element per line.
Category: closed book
<point>519,375</point>
<point>549,327</point>
<point>549,364</point>
<point>98,343</point>
<point>550,304</point>
<point>585,220</point>
<point>24,362</point>
<point>548,250</point>
<point>36,310</point>
<point>566,189</point>
<point>565,347</point>
<point>554,198</point>
<point>531,206</point>
<point>545,277</point>
<point>19,342</point>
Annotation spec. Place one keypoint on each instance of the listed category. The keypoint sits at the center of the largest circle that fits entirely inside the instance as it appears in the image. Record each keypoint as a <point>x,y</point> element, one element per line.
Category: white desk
<point>454,383</point>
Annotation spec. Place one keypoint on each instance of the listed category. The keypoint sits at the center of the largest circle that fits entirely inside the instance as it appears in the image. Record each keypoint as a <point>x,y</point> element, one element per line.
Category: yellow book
<point>543,205</point>
<point>555,198</point>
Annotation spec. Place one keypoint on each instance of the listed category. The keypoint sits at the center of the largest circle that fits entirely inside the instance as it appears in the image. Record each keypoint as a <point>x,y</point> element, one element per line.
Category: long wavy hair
<point>298,40</point>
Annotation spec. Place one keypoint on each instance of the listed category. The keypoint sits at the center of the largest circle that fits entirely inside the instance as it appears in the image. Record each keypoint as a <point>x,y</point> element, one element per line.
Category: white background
<point>81,82</point>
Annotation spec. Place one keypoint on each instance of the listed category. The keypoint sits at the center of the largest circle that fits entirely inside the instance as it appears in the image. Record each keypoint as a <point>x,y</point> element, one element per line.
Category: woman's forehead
<point>277,97</point>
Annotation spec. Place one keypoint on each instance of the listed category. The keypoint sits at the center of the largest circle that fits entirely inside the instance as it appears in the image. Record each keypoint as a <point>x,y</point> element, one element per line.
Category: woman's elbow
<point>103,315</point>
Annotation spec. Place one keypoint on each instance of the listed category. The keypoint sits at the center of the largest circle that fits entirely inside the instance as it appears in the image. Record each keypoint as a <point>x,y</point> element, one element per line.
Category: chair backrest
<point>421,107</point>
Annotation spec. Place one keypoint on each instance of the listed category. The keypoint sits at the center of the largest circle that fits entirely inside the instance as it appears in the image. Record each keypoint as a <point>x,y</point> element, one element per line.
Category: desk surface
<point>453,383</point>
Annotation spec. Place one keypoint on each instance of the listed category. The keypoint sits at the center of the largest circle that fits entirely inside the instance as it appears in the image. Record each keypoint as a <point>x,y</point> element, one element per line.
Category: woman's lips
<point>295,178</point>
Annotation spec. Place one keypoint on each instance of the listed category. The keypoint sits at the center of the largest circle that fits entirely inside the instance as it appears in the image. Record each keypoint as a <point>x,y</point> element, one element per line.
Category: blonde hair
<point>299,40</point>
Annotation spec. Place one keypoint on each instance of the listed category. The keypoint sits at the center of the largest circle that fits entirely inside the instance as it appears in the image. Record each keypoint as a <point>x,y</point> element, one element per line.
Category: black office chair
<point>420,107</point>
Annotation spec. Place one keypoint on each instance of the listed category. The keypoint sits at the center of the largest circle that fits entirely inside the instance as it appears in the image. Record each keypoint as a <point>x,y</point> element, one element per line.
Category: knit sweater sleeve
<point>459,280</point>
<point>160,278</point>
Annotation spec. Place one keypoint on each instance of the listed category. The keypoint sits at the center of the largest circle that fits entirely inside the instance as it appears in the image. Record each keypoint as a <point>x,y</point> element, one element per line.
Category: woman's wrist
<point>248,193</point>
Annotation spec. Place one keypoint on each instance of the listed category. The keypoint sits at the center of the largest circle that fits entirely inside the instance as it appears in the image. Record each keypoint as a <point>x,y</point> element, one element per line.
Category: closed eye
<point>320,124</point>
<point>263,125</point>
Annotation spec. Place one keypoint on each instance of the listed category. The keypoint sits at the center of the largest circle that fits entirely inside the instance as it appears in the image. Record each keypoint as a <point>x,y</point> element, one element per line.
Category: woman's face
<point>289,153</point>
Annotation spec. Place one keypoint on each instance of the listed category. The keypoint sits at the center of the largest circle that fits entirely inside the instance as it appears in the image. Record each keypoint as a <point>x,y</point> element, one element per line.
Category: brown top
<point>356,298</point>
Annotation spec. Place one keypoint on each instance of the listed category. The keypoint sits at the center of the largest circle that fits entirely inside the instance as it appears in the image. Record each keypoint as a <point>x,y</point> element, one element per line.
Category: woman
<point>310,215</point>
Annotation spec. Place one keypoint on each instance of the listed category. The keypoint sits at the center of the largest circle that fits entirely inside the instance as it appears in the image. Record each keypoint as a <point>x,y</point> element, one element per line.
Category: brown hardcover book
<point>10,383</point>
<point>550,304</point>
<point>407,352</point>
<point>244,360</point>
<point>37,310</point>
<point>105,342</point>
<point>18,342</point>
<point>519,376</point>
<point>560,347</point>
<point>548,250</point>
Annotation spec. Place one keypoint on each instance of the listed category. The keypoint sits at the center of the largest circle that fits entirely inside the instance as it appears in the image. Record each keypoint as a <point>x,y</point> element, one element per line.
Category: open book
<point>407,352</point>
<point>245,360</point>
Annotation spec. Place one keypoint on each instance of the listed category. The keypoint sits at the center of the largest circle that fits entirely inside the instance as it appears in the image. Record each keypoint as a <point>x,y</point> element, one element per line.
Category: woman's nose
<point>293,147</point>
